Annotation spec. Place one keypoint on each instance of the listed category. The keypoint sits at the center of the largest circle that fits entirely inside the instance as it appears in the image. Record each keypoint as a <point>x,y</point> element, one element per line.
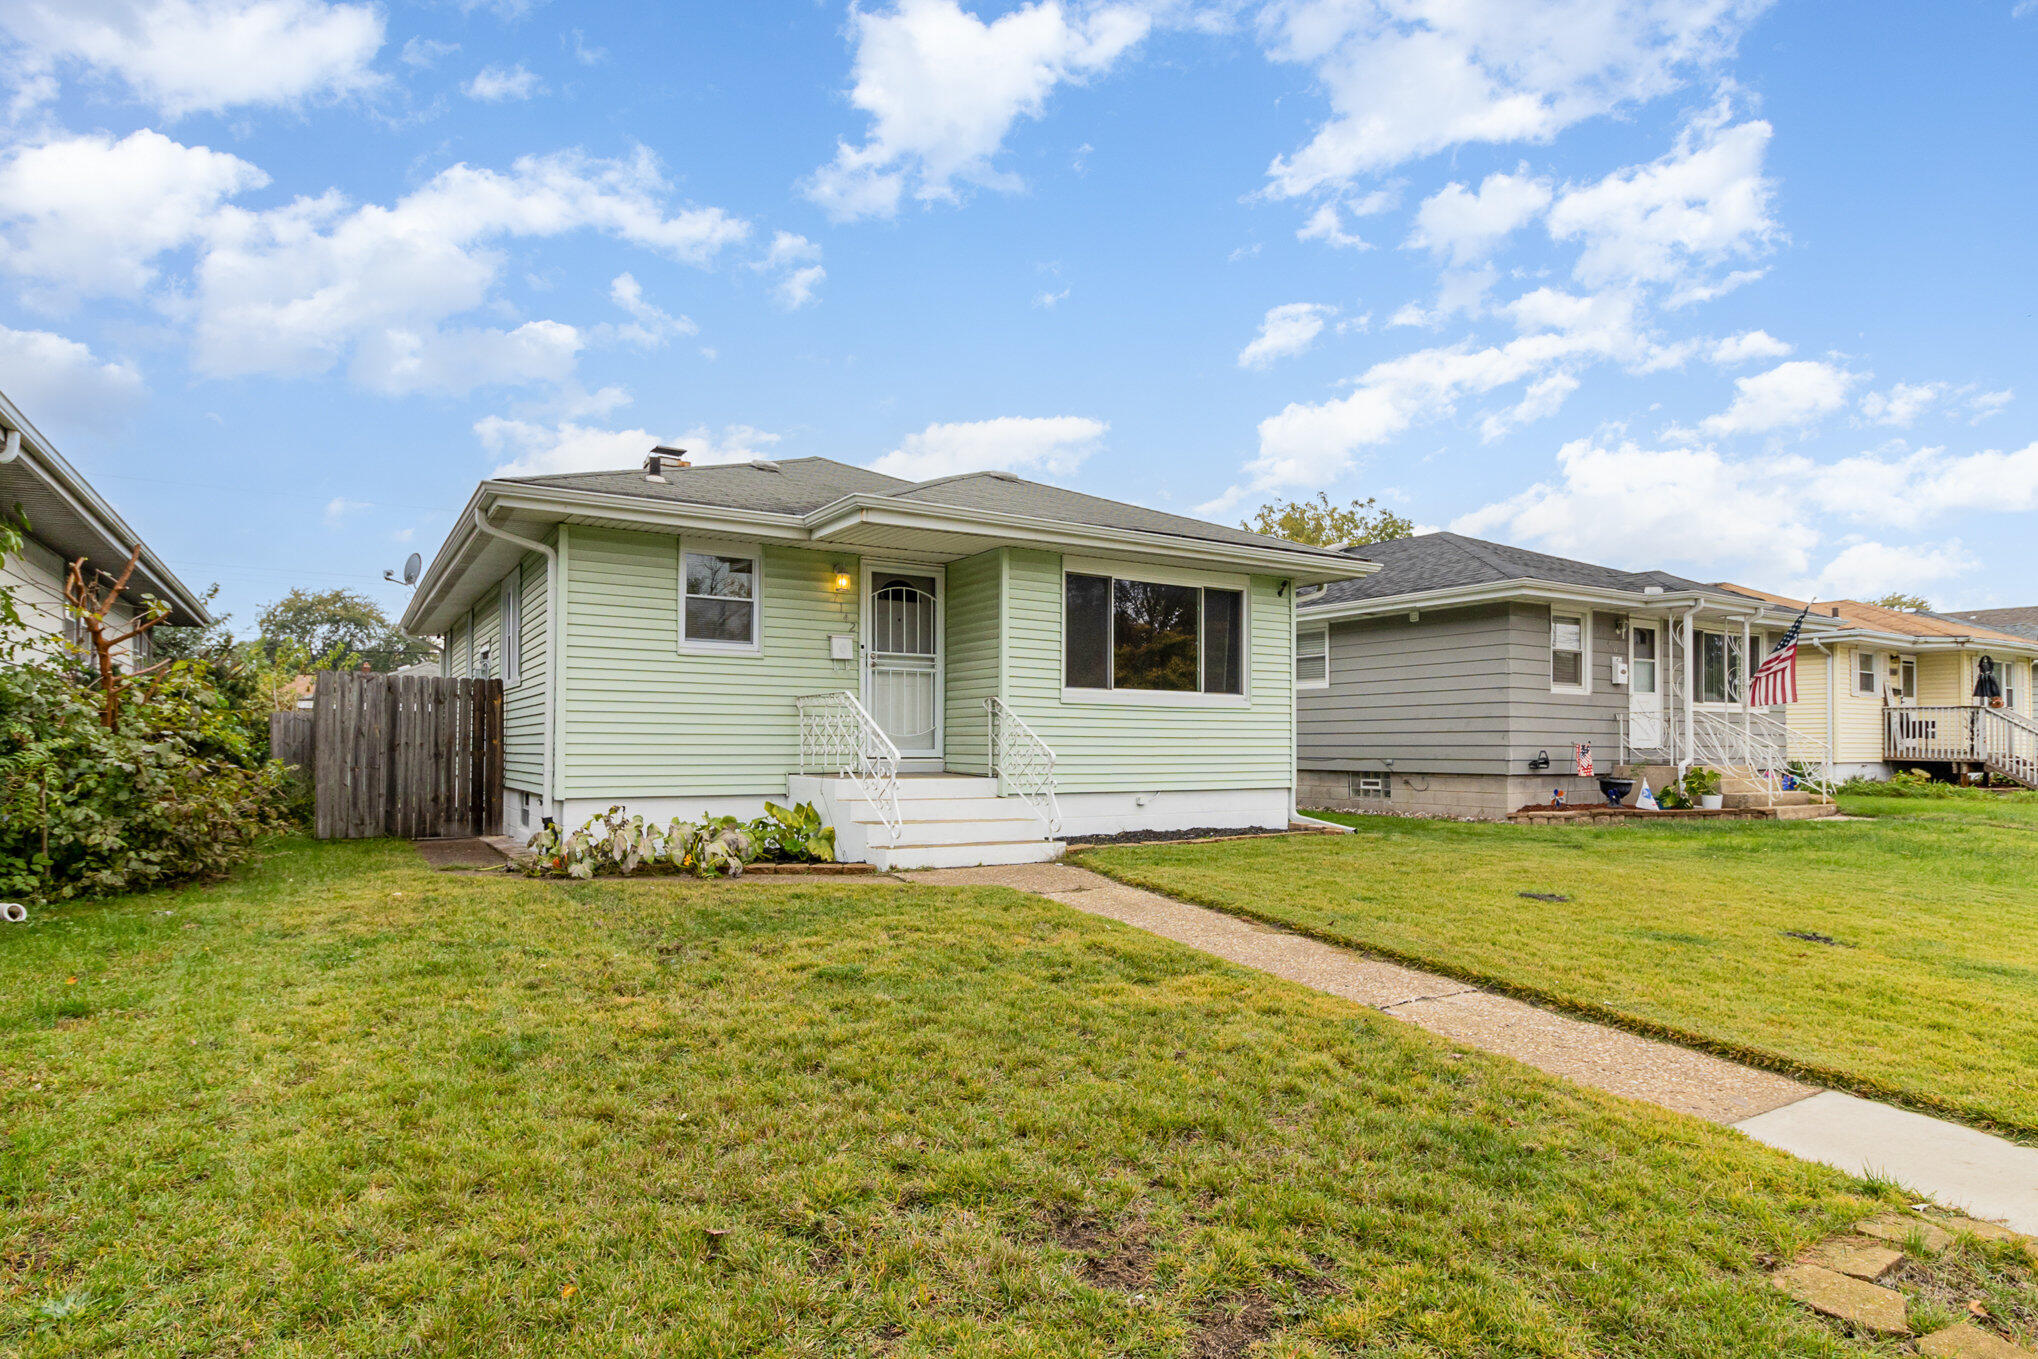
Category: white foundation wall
<point>1085,814</point>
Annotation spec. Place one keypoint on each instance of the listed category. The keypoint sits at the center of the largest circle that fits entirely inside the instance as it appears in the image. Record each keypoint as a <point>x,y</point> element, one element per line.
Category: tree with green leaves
<point>339,629</point>
<point>1909,603</point>
<point>1322,524</point>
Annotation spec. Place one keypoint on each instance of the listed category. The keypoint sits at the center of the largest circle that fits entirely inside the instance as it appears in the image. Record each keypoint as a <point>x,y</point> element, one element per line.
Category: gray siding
<point>1460,691</point>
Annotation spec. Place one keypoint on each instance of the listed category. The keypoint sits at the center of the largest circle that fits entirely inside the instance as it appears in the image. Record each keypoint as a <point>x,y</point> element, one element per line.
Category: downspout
<point>1690,685</point>
<point>11,449</point>
<point>552,676</point>
<point>1747,692</point>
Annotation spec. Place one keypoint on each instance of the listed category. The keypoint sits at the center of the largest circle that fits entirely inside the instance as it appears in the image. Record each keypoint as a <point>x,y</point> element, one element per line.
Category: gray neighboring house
<point>2021,621</point>
<point>1439,684</point>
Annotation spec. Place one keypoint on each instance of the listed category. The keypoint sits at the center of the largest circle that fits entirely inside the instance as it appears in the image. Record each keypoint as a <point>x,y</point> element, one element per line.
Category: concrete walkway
<point>1961,1168</point>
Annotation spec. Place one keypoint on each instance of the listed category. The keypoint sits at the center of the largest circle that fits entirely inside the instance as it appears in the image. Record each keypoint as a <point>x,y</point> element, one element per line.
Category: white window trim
<point>1584,685</point>
<point>510,625</point>
<point>1324,633</point>
<point>1874,670</point>
<point>721,547</point>
<point>1698,667</point>
<point>1160,575</point>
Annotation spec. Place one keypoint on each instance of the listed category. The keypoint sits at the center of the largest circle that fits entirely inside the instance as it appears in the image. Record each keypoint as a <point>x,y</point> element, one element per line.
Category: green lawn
<point>345,1106</point>
<point>1930,993</point>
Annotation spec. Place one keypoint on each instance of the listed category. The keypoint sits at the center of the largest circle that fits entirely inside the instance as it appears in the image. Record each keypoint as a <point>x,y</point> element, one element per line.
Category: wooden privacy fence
<point>405,755</point>
<point>290,739</point>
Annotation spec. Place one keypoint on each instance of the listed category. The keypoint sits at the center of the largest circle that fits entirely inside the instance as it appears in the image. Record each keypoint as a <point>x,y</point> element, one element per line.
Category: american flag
<point>1776,678</point>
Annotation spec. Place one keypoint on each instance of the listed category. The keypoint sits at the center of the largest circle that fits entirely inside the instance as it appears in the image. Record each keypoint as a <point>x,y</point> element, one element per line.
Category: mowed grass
<point>1928,994</point>
<point>345,1106</point>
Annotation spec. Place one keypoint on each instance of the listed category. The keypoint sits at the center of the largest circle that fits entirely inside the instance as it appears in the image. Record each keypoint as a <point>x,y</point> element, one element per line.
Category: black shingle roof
<point>802,485</point>
<point>2022,621</point>
<point>1445,561</point>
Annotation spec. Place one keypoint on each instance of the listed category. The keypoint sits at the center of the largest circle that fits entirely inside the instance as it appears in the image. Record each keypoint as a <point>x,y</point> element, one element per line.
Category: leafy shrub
<point>712,847</point>
<point>179,789</point>
<point>1915,783</point>
<point>1699,781</point>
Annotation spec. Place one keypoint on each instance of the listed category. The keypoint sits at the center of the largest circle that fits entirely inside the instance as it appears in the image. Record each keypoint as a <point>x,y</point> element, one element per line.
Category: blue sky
<point>1733,289</point>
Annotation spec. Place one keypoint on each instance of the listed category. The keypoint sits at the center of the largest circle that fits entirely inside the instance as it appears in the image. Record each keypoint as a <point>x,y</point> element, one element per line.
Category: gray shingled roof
<point>1446,561</point>
<point>2022,621</point>
<point>795,486</point>
<point>802,485</point>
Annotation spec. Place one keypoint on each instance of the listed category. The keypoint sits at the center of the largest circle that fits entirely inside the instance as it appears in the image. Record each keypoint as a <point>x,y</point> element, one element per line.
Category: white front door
<point>902,658</point>
<point>1645,685</point>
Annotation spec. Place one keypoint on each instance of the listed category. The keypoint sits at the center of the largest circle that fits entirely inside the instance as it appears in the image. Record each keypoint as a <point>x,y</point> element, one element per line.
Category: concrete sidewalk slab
<point>1956,1165</point>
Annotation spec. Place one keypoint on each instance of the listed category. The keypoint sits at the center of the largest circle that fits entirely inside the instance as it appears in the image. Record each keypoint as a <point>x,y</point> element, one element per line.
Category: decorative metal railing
<point>838,735</point>
<point>1762,749</point>
<point>1999,739</point>
<point>1022,762</point>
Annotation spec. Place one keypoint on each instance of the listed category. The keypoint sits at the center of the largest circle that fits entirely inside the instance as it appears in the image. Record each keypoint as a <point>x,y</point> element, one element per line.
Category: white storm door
<point>902,658</point>
<point>1645,686</point>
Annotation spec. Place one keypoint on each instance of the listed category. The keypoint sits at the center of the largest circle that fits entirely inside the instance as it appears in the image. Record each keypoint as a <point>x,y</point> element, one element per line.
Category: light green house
<point>957,671</point>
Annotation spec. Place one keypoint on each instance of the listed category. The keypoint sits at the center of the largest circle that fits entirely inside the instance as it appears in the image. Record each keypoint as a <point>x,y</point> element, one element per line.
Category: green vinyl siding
<point>643,718</point>
<point>523,706</point>
<point>1131,747</point>
<point>973,632</point>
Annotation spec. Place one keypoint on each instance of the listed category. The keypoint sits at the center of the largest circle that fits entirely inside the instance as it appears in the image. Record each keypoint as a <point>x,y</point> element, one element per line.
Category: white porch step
<point>1001,829</point>
<point>904,857</point>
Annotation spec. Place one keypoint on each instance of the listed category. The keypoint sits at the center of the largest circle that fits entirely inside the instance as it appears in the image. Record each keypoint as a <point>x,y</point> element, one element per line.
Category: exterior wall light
<point>841,579</point>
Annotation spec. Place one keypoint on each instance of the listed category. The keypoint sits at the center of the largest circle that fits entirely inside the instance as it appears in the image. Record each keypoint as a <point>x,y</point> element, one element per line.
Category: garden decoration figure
<point>1986,685</point>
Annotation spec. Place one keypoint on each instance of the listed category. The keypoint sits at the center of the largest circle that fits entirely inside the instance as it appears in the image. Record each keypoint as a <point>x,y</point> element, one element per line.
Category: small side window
<point>1567,651</point>
<point>1864,672</point>
<point>720,604</point>
<point>1312,659</point>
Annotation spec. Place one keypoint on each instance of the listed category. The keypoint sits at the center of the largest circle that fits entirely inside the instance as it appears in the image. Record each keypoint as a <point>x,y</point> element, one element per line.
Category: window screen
<point>1312,657</point>
<point>1223,642</point>
<point>1087,623</point>
<point>1567,651</point>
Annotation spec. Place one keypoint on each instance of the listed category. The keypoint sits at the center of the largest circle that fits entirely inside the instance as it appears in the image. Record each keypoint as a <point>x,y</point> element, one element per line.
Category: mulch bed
<point>1544,813</point>
<point>467,852</point>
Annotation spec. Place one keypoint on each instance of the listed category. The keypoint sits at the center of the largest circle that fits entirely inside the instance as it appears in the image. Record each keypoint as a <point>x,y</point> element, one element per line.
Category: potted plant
<point>1702,785</point>
<point>1617,784</point>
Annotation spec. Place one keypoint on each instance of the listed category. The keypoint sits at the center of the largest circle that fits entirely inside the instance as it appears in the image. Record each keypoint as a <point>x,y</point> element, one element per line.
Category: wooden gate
<point>406,755</point>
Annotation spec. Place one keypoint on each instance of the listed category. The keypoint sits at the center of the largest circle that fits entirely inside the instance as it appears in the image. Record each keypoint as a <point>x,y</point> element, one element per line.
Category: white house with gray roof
<point>1461,677</point>
<point>69,521</point>
<point>958,671</point>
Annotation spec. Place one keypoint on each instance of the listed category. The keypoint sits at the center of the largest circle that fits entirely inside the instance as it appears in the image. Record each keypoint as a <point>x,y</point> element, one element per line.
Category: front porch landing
<point>946,821</point>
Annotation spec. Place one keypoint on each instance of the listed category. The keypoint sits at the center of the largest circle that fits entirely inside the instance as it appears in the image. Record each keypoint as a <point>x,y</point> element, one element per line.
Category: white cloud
<point>63,384</point>
<point>1674,219</point>
<point>422,53</point>
<point>500,84</point>
<point>1790,394</point>
<point>193,56</point>
<point>1689,508</point>
<point>339,507</point>
<point>87,215</point>
<point>1311,444</point>
<point>1048,301</point>
<point>943,90</point>
<point>649,325</point>
<point>1050,445</point>
<point>1909,489</point>
<point>1409,78</point>
<point>1327,226</point>
<point>293,290</point>
<point>1985,404</point>
<point>1746,347</point>
<point>1464,227</point>
<point>1901,404</point>
<point>1285,331</point>
<point>1543,399</point>
<point>534,449</point>
<point>798,262</point>
<point>1866,570</point>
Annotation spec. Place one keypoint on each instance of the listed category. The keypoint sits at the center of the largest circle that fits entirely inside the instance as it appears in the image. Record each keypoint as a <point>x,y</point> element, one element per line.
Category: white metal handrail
<point>837,733</point>
<point>1759,747</point>
<point>1020,759</point>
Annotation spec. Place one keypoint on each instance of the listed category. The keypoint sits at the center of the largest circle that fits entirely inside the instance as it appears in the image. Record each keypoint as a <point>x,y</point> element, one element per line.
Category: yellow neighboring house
<point>1895,690</point>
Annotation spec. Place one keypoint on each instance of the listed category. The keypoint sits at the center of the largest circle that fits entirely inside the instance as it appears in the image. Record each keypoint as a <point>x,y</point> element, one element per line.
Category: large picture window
<point>1152,636</point>
<point>720,602</point>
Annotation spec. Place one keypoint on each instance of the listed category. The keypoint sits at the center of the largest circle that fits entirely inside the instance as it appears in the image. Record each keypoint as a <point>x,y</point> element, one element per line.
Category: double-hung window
<point>719,602</point>
<point>1567,651</point>
<point>1864,672</point>
<point>1312,659</point>
<point>513,627</point>
<point>1722,667</point>
<point>1150,636</point>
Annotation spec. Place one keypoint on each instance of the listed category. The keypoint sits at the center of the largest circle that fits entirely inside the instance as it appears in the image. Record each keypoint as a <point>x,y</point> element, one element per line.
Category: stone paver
<point>1861,1258</point>
<point>1987,1231</point>
<point>1590,1054</point>
<point>1899,1227</point>
<point>1869,1306</point>
<point>1970,1342</point>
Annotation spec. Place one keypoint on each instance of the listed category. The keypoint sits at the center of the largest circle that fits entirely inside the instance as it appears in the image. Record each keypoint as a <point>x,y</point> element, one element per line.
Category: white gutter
<point>12,448</point>
<point>1733,608</point>
<point>552,685</point>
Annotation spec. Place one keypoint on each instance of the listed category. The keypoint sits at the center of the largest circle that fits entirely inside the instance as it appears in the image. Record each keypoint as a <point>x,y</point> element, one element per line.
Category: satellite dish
<point>411,566</point>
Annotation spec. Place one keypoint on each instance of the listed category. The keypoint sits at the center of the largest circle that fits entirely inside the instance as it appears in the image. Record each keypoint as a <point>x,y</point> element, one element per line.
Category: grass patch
<point>1928,994</point>
<point>341,1105</point>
